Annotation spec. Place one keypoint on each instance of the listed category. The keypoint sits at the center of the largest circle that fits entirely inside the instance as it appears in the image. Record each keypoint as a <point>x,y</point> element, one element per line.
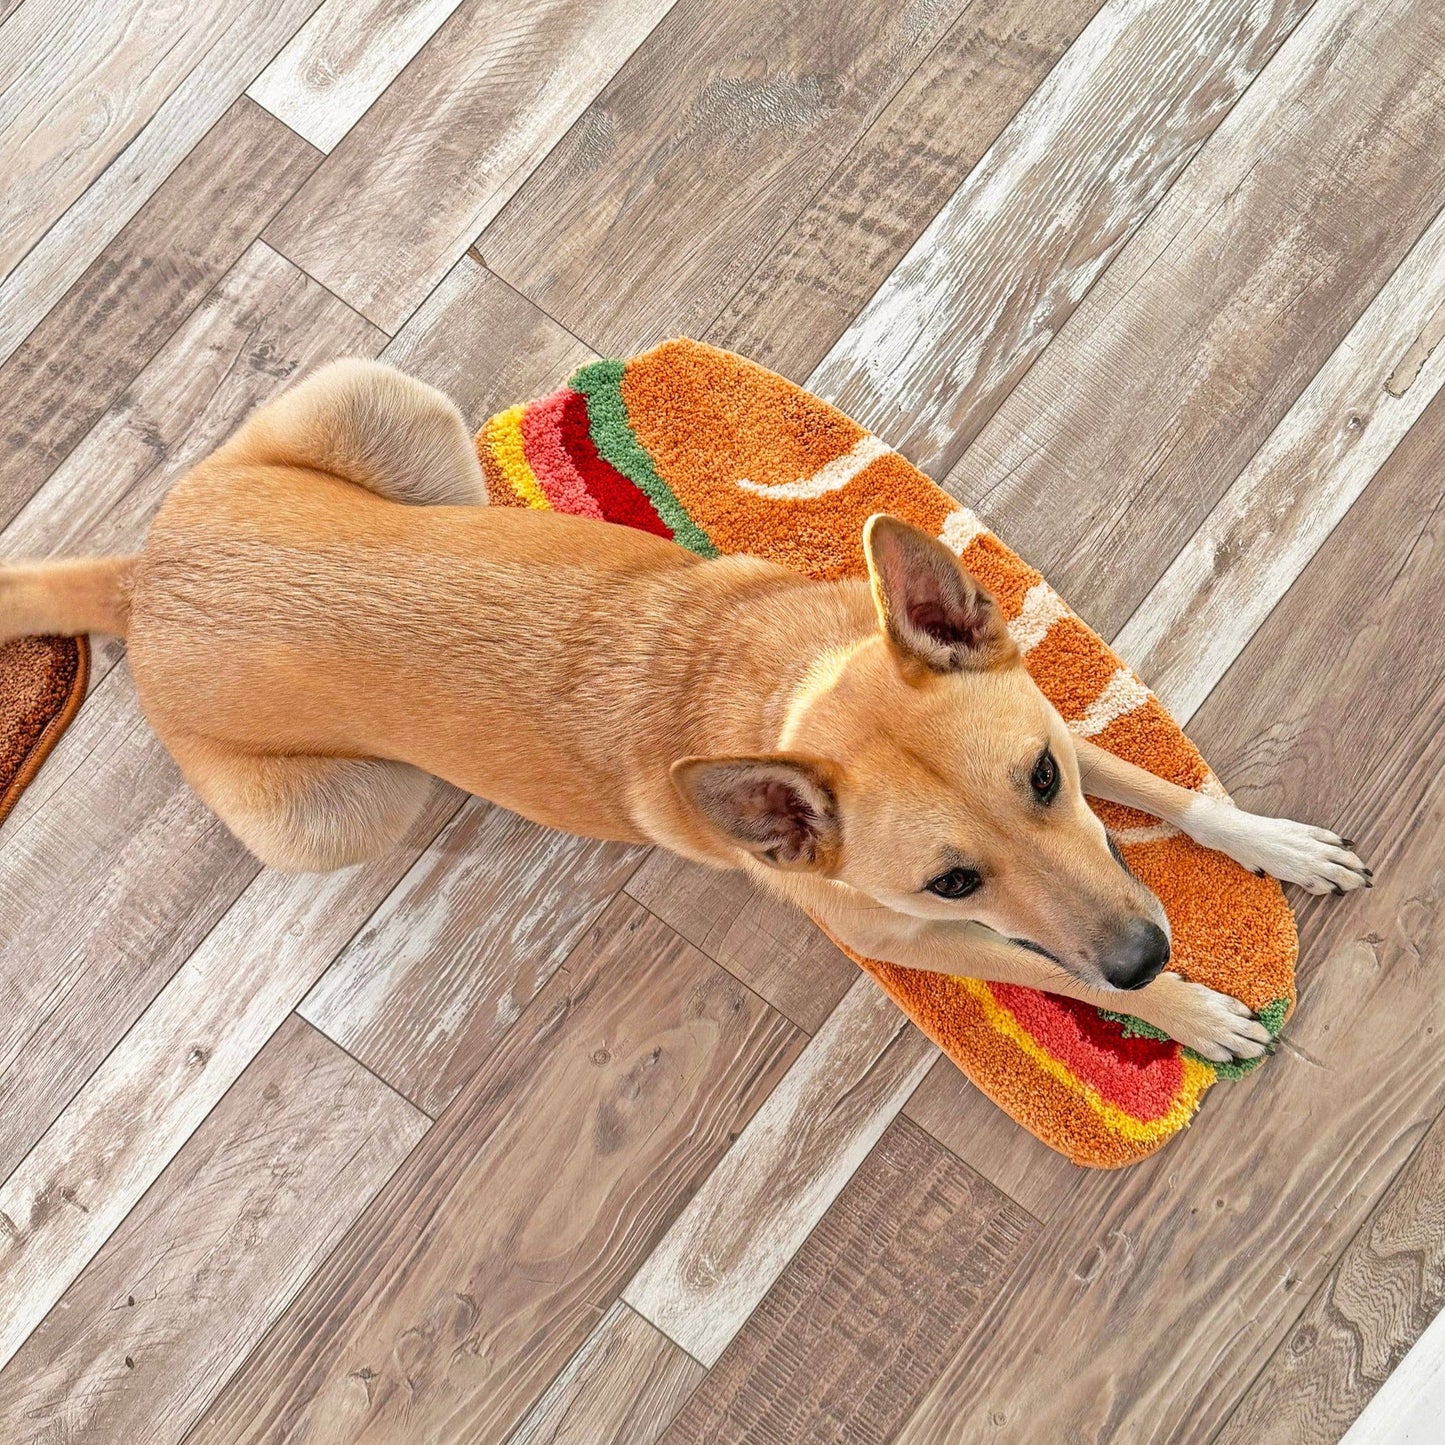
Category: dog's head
<point>924,769</point>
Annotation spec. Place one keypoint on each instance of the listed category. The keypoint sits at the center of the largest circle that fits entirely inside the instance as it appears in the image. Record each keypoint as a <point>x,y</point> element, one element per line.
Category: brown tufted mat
<point>42,683</point>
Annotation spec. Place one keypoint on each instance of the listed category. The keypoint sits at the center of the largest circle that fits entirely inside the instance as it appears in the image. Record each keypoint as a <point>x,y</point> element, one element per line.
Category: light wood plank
<point>1155,1294</point>
<point>872,1305</point>
<point>1206,330</point>
<point>732,113</point>
<point>746,1222</point>
<point>337,64</point>
<point>443,150</point>
<point>151,1092</point>
<point>141,1343</point>
<point>101,103</point>
<point>111,871</point>
<point>861,222</point>
<point>1281,508</point>
<point>1357,1329</point>
<point>143,286</point>
<point>456,953</point>
<point>1073,175</point>
<point>621,1388</point>
<point>770,944</point>
<point>482,1268</point>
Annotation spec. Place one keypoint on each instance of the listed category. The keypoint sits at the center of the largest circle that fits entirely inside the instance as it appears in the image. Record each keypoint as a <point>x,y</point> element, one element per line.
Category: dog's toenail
<point>1347,842</point>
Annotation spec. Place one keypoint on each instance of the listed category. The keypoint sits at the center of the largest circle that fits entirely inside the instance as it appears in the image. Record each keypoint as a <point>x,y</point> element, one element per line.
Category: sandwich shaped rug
<point>724,456</point>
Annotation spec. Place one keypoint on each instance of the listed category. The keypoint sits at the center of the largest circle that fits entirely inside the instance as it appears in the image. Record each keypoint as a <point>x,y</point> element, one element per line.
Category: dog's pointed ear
<point>932,611</point>
<point>781,809</point>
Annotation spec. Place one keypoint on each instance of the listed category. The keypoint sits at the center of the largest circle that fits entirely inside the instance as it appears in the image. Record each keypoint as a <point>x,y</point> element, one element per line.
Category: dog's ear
<point>781,809</point>
<point>932,611</point>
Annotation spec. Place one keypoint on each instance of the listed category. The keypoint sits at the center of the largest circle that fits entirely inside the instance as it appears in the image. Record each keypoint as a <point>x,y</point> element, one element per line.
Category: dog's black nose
<point>1138,955</point>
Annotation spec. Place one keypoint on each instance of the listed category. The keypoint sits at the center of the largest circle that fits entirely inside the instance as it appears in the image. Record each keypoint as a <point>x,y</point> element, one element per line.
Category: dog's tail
<point>83,594</point>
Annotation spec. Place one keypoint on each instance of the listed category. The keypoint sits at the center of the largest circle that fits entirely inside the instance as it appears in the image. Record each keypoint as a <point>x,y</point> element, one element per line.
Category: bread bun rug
<point>724,456</point>
<point>42,683</point>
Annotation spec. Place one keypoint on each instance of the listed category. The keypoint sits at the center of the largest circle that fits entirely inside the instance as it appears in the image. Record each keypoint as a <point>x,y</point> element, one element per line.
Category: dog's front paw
<point>1215,1025</point>
<point>1318,860</point>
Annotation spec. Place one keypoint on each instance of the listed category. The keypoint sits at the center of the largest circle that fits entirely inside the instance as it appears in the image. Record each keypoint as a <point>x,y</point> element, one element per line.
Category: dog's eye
<point>1044,779</point>
<point>956,883</point>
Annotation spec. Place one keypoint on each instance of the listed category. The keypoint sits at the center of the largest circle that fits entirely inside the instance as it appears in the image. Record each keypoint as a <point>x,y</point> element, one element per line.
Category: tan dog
<point>323,618</point>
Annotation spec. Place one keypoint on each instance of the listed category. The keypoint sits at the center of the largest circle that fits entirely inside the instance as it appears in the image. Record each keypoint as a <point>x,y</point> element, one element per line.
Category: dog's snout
<point>1138,955</point>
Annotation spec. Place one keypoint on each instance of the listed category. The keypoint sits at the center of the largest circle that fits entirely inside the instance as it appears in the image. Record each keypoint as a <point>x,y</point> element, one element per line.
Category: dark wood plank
<point>620,1388</point>
<point>135,294</point>
<point>144,1339</point>
<point>1387,1287</point>
<point>411,185</point>
<point>1195,345</point>
<point>859,224</point>
<point>872,1305</point>
<point>1071,178</point>
<point>768,943</point>
<point>111,871</point>
<point>654,208</point>
<point>482,1268</point>
<point>979,1132</point>
<point>455,954</point>
<point>1155,1294</point>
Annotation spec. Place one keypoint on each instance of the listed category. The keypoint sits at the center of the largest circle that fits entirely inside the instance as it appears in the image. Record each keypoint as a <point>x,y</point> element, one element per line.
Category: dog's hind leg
<point>367,423</point>
<point>82,594</point>
<point>307,814</point>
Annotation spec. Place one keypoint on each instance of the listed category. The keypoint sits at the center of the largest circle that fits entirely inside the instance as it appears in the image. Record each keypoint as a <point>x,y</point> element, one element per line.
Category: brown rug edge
<point>51,733</point>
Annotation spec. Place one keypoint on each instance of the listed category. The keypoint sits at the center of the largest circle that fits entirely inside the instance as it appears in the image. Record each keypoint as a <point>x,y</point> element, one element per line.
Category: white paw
<point>1215,1025</point>
<point>1318,860</point>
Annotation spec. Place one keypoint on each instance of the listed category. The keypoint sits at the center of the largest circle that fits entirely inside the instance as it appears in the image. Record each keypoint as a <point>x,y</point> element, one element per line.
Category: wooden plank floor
<point>518,1138</point>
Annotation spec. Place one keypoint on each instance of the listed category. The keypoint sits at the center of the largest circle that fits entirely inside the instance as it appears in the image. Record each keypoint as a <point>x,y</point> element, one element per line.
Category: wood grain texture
<point>746,1222</point>
<point>156,1323</point>
<point>733,112</point>
<point>872,1305</point>
<point>151,1092</point>
<point>1287,501</point>
<point>1209,326</point>
<point>1387,1287</point>
<point>1156,1294</point>
<point>111,870</point>
<point>134,295</point>
<point>480,1271</point>
<point>337,64</point>
<point>485,345</point>
<point>861,221</point>
<point>770,944</point>
<point>460,948</point>
<point>621,1388</point>
<point>970,1124</point>
<point>101,104</point>
<point>1079,168</point>
<point>422,173</point>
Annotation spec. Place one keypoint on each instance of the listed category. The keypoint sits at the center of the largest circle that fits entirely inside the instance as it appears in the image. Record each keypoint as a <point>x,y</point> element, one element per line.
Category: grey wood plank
<point>111,870</point>
<point>707,1275</point>
<point>862,220</point>
<point>337,64</point>
<point>460,948</point>
<point>481,1269</point>
<point>140,289</point>
<point>770,944</point>
<point>1154,1296</point>
<point>261,1193</point>
<point>1072,176</point>
<point>100,104</point>
<point>453,137</point>
<point>1207,329</point>
<point>621,1388</point>
<point>717,130</point>
<point>871,1306</point>
<point>1378,1299</point>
